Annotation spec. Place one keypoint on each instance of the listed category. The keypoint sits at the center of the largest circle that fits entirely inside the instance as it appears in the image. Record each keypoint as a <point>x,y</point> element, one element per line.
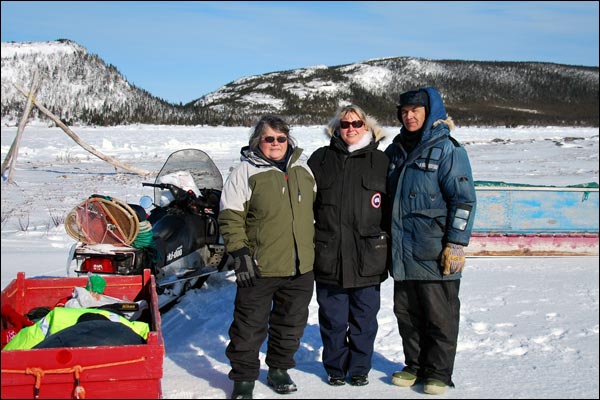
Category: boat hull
<point>535,221</point>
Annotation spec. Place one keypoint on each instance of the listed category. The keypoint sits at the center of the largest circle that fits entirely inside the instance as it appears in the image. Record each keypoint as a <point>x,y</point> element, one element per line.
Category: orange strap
<point>79,392</point>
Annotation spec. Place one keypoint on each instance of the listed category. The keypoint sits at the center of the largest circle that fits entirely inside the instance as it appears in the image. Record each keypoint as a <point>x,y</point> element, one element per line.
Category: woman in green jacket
<point>266,220</point>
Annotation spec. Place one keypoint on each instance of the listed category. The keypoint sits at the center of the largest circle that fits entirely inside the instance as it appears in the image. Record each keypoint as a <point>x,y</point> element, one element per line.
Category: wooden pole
<point>11,156</point>
<point>77,140</point>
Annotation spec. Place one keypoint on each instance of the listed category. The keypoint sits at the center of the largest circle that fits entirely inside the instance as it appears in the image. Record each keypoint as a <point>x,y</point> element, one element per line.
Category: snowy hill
<point>475,93</point>
<point>80,88</point>
<point>76,86</point>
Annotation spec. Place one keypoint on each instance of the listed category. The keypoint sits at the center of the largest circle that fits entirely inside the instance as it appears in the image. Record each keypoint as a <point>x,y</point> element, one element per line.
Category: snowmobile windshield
<point>200,166</point>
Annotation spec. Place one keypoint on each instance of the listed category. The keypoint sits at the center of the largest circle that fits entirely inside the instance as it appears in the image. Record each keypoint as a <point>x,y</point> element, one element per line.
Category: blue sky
<point>182,50</point>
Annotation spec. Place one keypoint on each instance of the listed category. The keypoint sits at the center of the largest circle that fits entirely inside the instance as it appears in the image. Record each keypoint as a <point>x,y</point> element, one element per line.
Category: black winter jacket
<point>351,246</point>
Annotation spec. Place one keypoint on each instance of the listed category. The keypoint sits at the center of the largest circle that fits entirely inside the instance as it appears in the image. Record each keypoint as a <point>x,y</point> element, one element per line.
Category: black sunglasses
<point>355,124</point>
<point>271,139</point>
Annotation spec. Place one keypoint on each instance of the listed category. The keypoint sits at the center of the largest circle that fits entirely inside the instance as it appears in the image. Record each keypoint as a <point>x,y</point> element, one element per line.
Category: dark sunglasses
<point>355,124</point>
<point>271,139</point>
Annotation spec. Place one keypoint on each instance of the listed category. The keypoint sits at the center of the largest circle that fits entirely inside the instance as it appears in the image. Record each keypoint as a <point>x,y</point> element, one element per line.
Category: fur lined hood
<point>437,111</point>
<point>448,121</point>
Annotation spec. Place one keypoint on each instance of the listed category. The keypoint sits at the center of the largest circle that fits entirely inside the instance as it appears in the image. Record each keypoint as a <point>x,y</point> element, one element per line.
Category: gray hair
<point>275,123</point>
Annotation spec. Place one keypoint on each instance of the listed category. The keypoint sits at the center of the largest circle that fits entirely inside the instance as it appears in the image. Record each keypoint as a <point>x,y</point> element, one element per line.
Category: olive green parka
<point>271,213</point>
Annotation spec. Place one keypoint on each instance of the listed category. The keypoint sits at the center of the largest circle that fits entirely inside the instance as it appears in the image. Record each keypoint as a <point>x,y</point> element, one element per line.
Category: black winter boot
<point>280,381</point>
<point>242,389</point>
<point>359,380</point>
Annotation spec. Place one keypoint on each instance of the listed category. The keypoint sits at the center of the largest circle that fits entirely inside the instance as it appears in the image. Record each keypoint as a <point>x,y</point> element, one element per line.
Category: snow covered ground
<point>529,326</point>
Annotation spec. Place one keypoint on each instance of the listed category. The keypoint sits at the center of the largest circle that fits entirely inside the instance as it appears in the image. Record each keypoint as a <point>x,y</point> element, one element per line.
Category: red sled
<point>100,372</point>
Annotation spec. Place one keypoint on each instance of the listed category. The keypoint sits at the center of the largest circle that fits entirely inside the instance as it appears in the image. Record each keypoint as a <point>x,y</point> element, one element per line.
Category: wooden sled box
<point>103,372</point>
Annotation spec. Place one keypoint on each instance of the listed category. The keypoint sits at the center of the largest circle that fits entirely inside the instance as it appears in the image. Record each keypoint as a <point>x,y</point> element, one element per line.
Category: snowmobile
<point>178,239</point>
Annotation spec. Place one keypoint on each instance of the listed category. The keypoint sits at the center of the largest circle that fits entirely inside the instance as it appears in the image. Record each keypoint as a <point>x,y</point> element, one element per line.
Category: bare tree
<point>78,140</point>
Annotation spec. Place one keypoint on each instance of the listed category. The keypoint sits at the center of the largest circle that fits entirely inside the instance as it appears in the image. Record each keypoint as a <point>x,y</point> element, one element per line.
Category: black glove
<point>244,266</point>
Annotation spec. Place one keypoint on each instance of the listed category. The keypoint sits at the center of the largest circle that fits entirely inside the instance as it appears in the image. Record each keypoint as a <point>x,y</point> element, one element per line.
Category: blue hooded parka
<point>433,197</point>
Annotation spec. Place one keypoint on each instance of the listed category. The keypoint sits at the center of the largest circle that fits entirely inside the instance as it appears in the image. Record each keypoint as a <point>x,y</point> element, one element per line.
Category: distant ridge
<point>82,89</point>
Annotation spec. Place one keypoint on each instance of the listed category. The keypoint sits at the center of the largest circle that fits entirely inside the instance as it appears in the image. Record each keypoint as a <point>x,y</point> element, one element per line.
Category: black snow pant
<point>428,314</point>
<point>274,306</point>
<point>348,325</point>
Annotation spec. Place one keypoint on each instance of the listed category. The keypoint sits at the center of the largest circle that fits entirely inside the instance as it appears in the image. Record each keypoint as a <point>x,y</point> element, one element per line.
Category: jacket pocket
<point>375,184</point>
<point>325,253</point>
<point>428,230</point>
<point>373,196</point>
<point>373,252</point>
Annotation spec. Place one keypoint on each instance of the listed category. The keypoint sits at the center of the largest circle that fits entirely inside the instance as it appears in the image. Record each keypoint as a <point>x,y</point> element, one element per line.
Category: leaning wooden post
<point>77,140</point>
<point>11,156</point>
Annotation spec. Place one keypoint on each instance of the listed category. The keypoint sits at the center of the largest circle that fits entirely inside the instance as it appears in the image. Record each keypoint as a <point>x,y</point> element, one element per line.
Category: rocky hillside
<point>81,89</point>
<point>475,93</point>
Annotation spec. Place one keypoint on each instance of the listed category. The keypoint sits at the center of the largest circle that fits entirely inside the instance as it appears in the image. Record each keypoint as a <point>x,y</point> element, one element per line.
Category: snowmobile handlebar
<point>161,185</point>
<point>175,190</point>
<point>207,202</point>
<point>181,197</point>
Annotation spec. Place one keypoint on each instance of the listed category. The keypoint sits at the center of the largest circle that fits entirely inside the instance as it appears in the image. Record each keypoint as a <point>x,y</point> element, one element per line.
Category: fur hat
<point>413,98</point>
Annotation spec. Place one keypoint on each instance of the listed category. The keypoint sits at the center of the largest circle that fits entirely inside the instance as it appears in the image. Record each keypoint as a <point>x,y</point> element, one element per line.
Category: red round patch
<point>376,200</point>
<point>64,356</point>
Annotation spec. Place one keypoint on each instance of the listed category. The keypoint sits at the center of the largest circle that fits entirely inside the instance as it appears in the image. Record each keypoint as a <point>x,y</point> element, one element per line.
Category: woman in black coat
<point>350,242</point>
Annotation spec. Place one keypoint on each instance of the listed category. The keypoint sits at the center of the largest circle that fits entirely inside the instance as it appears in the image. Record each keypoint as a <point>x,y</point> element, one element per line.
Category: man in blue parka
<point>431,217</point>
